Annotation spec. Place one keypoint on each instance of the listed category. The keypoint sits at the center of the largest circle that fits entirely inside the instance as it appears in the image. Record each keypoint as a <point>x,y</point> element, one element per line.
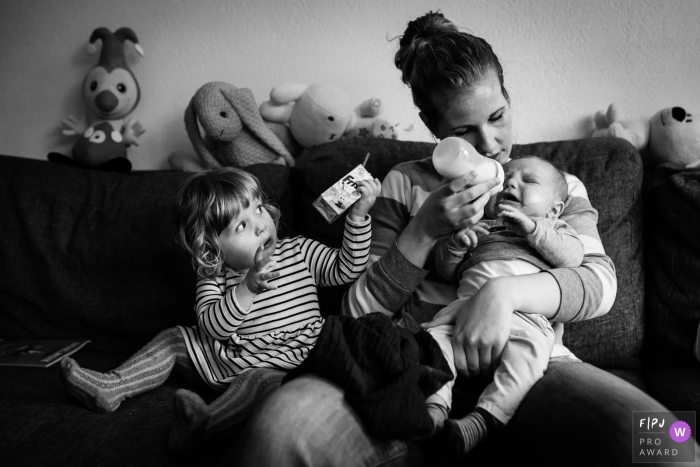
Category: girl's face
<point>245,234</point>
<point>481,116</point>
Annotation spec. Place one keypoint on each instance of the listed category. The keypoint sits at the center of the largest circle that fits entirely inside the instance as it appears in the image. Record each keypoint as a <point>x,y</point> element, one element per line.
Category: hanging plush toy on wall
<point>111,93</point>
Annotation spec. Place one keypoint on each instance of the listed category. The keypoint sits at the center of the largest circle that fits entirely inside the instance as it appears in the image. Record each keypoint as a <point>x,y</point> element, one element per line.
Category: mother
<point>457,84</point>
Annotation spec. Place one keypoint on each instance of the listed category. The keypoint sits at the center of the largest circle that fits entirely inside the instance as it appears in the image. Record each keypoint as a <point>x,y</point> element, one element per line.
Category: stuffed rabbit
<point>235,133</point>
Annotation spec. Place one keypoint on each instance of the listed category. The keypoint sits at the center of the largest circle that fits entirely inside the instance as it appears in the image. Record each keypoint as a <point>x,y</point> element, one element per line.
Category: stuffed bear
<point>671,136</point>
<point>321,113</point>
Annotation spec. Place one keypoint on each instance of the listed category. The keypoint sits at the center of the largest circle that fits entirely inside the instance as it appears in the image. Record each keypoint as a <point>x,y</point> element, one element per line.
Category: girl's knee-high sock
<point>196,423</point>
<point>146,369</point>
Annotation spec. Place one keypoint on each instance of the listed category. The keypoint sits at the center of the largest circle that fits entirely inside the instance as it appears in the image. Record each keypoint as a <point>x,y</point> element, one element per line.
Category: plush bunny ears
<point>112,53</point>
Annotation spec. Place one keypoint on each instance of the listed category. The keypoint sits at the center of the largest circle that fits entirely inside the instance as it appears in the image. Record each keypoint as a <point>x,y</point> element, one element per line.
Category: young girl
<point>256,304</point>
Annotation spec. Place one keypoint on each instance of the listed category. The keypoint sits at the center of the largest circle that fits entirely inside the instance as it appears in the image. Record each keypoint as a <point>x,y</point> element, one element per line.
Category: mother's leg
<point>576,414</point>
<point>308,422</point>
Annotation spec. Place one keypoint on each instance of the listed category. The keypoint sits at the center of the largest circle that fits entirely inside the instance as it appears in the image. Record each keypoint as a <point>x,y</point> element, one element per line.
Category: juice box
<point>342,194</point>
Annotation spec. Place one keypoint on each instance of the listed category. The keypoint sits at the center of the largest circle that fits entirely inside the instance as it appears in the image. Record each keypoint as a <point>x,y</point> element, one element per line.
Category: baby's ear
<point>556,210</point>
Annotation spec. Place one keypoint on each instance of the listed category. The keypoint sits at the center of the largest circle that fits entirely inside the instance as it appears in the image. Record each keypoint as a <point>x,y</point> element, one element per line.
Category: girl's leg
<point>146,369</point>
<point>196,423</point>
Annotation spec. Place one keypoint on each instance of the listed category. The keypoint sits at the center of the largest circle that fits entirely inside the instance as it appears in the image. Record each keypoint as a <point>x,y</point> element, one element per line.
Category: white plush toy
<point>321,113</point>
<point>671,136</point>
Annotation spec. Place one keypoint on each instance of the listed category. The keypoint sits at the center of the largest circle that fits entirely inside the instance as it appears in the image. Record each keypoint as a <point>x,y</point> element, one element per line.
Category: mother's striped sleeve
<point>390,279</point>
<point>589,290</point>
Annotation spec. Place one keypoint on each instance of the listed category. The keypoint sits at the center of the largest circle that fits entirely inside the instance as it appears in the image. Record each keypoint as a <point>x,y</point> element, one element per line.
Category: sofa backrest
<point>92,254</point>
<point>610,169</point>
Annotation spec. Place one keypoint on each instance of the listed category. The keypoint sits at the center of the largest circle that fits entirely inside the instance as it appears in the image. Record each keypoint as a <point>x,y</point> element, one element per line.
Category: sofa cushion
<point>612,173</point>
<point>50,428</point>
<point>672,231</point>
<point>92,254</point>
<point>611,170</point>
<point>329,162</point>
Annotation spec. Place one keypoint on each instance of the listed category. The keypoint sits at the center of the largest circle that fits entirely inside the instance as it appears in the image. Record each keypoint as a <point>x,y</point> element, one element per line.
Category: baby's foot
<point>461,436</point>
<point>191,419</point>
<point>87,386</point>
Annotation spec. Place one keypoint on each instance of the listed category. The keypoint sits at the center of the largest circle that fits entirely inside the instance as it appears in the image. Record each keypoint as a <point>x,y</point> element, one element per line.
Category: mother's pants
<point>576,414</point>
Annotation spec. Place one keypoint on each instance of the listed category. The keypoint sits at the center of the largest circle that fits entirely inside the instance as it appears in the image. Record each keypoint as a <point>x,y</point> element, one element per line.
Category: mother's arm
<point>407,220</point>
<point>587,291</point>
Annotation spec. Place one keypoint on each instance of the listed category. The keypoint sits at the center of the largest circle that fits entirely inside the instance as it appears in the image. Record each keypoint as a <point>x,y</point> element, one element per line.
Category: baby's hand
<point>369,190</point>
<point>258,277</point>
<point>515,220</point>
<point>469,237</point>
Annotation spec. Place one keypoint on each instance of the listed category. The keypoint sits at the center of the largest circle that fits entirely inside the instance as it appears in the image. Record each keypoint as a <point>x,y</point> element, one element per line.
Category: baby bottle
<point>454,157</point>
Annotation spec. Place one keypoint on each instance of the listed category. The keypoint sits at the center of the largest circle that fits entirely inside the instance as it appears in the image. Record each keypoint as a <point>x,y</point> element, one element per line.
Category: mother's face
<point>482,116</point>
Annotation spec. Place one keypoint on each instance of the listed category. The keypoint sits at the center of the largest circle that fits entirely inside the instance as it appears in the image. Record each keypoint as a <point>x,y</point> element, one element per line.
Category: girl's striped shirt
<point>282,325</point>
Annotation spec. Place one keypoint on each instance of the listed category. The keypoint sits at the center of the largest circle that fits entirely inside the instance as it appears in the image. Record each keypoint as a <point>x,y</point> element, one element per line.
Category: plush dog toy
<point>111,93</point>
<point>320,113</point>
<point>234,133</point>
<point>671,136</point>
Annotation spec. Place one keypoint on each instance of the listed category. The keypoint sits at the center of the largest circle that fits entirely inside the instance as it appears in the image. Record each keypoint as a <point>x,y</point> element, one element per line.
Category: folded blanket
<point>386,372</point>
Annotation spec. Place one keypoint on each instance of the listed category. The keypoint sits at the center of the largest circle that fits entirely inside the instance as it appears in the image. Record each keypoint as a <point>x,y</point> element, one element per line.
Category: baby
<point>529,238</point>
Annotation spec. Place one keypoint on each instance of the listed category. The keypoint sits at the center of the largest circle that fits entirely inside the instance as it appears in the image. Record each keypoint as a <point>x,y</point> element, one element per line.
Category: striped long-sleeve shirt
<point>282,325</point>
<point>392,284</point>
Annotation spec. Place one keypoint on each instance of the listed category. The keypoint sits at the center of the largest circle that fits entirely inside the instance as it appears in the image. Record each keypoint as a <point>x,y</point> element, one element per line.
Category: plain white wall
<point>563,59</point>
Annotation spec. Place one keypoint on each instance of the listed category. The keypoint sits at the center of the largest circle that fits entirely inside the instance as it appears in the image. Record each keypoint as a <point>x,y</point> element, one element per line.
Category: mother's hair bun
<point>420,32</point>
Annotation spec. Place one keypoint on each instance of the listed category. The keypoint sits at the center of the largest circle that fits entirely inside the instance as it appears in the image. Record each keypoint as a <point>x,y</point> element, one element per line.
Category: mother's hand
<point>453,206</point>
<point>481,328</point>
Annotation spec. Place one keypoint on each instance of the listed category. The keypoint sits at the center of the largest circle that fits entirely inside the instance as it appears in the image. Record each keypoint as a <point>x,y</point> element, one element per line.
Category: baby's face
<point>528,187</point>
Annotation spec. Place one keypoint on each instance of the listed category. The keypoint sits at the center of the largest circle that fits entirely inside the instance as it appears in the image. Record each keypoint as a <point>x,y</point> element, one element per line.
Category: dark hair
<point>206,204</point>
<point>436,60</point>
<point>560,188</point>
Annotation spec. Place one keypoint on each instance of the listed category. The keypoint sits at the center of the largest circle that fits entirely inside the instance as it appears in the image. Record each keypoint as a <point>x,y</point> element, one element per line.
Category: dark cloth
<point>386,372</point>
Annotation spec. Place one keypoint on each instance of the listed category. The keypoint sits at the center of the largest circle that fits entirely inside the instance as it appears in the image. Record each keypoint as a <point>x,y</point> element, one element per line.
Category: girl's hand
<point>258,277</point>
<point>481,328</point>
<point>453,206</point>
<point>515,220</point>
<point>369,190</point>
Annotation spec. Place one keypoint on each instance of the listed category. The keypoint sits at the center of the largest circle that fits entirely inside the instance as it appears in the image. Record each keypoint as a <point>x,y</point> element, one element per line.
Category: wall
<point>563,59</point>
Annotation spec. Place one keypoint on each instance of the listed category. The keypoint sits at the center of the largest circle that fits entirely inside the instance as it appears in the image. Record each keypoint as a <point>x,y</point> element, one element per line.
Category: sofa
<point>92,254</point>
